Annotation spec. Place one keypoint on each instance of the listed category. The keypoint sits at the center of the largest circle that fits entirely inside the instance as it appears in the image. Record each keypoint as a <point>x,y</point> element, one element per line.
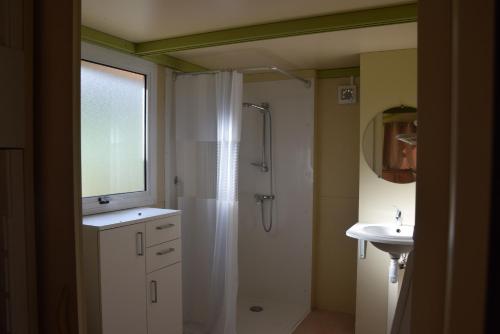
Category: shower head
<point>264,107</point>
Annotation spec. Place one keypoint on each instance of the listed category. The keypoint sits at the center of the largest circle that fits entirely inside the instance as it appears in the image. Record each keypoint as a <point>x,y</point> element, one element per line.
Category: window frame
<point>95,54</point>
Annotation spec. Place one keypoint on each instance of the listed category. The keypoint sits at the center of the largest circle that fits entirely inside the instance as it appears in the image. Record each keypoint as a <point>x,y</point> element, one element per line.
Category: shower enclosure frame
<point>289,74</point>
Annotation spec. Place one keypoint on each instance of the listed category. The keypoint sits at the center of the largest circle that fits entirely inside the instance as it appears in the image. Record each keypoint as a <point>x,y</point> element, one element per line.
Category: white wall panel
<point>277,265</point>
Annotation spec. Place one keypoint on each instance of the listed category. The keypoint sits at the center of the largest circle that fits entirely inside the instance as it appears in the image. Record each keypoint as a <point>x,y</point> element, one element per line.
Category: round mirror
<point>390,144</point>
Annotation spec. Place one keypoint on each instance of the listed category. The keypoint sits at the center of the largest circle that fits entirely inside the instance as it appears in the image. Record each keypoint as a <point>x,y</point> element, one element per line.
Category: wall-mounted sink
<point>390,238</point>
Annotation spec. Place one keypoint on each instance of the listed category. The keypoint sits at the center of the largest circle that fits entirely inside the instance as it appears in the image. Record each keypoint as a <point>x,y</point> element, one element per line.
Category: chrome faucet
<point>261,198</point>
<point>262,165</point>
<point>399,218</point>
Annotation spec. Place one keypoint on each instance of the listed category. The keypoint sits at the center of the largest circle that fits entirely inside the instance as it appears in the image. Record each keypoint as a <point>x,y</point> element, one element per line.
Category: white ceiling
<point>317,51</point>
<point>146,20</point>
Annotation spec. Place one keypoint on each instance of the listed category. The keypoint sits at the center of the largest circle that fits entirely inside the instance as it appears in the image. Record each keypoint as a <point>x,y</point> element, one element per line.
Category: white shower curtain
<point>208,123</point>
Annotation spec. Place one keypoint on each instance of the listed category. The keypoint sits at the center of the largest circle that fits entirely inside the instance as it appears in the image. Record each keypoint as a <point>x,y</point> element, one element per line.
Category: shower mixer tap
<point>261,198</point>
<point>262,165</point>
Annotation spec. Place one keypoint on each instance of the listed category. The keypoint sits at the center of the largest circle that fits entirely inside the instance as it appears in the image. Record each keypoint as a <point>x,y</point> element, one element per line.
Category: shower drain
<point>256,309</point>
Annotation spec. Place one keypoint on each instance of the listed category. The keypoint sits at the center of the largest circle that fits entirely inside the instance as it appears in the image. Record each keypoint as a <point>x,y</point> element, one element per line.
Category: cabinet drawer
<point>164,229</point>
<point>162,255</point>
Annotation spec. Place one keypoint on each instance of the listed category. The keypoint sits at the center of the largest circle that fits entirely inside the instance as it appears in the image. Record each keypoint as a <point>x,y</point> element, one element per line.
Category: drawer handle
<point>162,227</point>
<point>165,251</point>
<point>154,292</point>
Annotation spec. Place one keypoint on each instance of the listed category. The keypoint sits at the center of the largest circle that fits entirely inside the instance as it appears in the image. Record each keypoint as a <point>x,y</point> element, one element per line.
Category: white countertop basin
<point>390,238</point>
<point>104,221</point>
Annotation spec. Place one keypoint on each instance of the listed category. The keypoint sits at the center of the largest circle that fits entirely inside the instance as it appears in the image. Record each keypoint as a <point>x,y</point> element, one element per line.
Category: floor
<point>283,318</point>
<point>275,317</point>
<point>323,322</point>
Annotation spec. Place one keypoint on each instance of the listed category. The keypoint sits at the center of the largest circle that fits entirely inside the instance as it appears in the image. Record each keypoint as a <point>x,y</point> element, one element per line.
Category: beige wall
<point>336,199</point>
<point>388,79</point>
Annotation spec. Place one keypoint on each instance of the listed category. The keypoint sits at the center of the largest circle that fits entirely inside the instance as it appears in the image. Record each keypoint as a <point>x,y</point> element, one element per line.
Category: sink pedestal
<point>393,268</point>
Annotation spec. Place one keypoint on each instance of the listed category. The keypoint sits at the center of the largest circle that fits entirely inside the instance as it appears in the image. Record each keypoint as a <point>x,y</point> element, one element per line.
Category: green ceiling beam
<point>100,38</point>
<point>333,22</point>
<point>103,39</point>
<point>174,63</point>
<point>338,73</point>
<point>119,44</point>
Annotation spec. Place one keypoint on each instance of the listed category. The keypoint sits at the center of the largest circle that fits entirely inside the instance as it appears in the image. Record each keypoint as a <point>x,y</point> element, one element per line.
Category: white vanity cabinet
<point>132,271</point>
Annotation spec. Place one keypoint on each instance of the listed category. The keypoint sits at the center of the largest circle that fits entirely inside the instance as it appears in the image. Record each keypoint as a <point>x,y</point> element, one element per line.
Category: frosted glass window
<point>113,130</point>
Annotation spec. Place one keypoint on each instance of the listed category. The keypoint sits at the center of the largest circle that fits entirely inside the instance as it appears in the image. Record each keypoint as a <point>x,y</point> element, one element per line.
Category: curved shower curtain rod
<point>306,82</point>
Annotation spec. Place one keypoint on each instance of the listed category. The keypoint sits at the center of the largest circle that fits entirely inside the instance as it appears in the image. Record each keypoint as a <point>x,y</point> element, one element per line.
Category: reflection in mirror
<point>390,144</point>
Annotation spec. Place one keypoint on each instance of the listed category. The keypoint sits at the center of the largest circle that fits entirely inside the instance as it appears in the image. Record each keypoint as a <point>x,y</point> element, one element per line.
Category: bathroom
<point>251,172</point>
<point>294,180</point>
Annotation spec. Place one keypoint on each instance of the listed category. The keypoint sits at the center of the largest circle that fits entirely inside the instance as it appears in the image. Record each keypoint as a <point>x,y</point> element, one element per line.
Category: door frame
<point>456,97</point>
<point>58,214</point>
<point>493,304</point>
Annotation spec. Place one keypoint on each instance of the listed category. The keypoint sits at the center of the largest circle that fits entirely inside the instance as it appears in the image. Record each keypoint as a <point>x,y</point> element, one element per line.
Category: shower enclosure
<point>273,209</point>
<point>275,232</point>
